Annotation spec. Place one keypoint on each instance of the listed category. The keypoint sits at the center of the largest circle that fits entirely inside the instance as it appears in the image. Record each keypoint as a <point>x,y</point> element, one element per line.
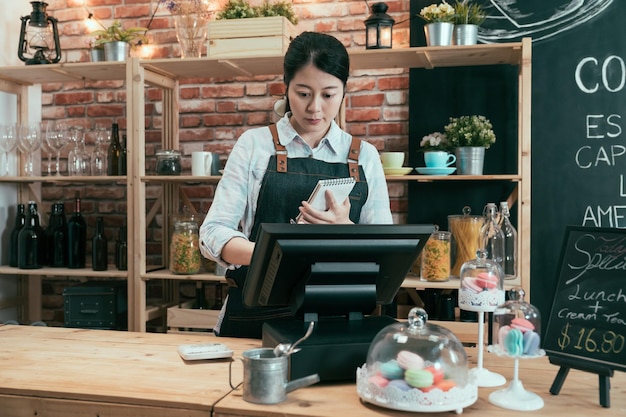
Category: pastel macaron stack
<point>483,281</point>
<point>519,338</point>
<point>407,371</point>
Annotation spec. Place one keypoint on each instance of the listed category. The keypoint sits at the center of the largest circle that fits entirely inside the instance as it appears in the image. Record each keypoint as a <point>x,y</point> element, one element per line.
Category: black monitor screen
<point>345,266</point>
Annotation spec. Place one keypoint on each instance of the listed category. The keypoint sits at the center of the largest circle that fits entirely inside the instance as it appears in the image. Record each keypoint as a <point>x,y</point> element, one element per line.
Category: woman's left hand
<point>337,213</point>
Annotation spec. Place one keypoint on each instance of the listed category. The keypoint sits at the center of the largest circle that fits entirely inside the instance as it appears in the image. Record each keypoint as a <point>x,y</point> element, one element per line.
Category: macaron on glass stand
<point>481,290</point>
<point>416,367</point>
<point>517,326</point>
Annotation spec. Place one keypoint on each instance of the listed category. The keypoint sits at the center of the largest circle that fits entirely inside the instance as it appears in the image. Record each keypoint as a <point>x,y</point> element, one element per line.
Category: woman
<point>272,170</point>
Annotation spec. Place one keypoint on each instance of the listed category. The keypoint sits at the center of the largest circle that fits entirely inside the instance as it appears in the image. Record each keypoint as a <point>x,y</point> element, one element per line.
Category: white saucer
<point>435,171</point>
<point>397,171</point>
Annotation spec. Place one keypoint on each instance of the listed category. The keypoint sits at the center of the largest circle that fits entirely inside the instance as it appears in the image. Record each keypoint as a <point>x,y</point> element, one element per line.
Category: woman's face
<point>314,100</point>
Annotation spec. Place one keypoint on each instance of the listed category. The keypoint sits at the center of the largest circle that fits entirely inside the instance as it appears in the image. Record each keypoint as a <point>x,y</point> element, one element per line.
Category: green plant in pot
<point>467,18</point>
<point>118,41</point>
<point>241,9</point>
<point>470,136</point>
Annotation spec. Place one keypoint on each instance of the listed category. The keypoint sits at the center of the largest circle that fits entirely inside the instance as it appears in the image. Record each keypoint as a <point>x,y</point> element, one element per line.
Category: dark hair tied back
<point>325,52</point>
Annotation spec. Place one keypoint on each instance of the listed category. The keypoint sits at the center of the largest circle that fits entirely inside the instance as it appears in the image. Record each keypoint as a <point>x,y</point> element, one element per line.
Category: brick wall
<point>213,113</point>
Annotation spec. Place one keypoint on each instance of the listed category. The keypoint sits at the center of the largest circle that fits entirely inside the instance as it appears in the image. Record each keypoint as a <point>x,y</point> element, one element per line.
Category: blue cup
<point>439,159</point>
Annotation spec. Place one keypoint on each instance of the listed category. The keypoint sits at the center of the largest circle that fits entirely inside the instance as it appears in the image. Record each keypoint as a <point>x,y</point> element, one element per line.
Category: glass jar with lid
<point>481,285</point>
<point>168,162</point>
<point>435,264</point>
<point>465,229</point>
<point>417,367</point>
<point>185,257</point>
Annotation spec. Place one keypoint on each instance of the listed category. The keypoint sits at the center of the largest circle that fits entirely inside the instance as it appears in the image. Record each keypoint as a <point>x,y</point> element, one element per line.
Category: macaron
<point>437,374</point>
<point>391,370</point>
<point>445,385</point>
<point>418,378</point>
<point>531,343</point>
<point>470,283</point>
<point>504,330</point>
<point>514,342</point>
<point>378,380</point>
<point>487,280</point>
<point>522,324</point>
<point>409,360</point>
<point>399,384</point>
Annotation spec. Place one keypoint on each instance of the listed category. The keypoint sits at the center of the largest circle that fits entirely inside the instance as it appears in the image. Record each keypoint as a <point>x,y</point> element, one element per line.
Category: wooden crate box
<point>184,318</point>
<point>253,36</point>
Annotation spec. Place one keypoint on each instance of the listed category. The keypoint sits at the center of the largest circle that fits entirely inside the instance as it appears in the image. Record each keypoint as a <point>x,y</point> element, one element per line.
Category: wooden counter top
<point>59,372</point>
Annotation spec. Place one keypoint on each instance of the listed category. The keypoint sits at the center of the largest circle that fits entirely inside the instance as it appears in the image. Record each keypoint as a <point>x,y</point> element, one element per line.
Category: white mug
<point>204,164</point>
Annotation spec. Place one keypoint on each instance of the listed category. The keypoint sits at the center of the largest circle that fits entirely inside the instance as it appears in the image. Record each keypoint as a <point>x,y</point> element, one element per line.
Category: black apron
<point>285,185</point>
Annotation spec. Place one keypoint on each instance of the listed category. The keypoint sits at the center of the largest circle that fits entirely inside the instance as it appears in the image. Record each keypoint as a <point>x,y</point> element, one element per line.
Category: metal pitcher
<point>265,377</point>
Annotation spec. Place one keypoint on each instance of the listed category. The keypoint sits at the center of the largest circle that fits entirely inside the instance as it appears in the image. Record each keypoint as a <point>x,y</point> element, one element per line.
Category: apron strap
<point>353,158</point>
<point>281,151</point>
<point>281,154</point>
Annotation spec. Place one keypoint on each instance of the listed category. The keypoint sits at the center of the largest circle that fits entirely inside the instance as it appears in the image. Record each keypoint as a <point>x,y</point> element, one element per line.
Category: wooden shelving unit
<point>166,75</point>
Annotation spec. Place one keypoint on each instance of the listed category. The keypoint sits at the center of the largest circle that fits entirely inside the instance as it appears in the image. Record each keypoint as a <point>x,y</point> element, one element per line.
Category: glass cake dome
<point>517,327</point>
<point>417,367</point>
<point>481,285</point>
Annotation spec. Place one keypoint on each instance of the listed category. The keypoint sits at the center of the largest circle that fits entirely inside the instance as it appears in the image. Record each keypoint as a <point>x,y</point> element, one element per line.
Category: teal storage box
<point>96,305</point>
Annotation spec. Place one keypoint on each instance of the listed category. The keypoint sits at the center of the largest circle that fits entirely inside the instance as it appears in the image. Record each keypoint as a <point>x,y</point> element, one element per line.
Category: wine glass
<point>78,160</point>
<point>29,140</point>
<point>56,137</point>
<point>8,142</point>
<point>46,147</point>
<point>99,155</point>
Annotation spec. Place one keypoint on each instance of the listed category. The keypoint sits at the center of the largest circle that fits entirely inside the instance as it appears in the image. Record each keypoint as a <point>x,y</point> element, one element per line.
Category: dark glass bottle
<point>56,235</point>
<point>201,301</point>
<point>76,238</point>
<point>29,240</point>
<point>218,297</point>
<point>121,250</point>
<point>122,164</point>
<point>99,253</point>
<point>114,152</point>
<point>20,222</point>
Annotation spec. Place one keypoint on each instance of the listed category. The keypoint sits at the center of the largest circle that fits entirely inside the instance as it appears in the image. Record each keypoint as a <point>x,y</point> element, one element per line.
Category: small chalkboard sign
<point>587,325</point>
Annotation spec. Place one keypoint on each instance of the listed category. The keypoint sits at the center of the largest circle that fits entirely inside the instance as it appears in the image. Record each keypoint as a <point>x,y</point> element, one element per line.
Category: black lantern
<point>378,28</point>
<point>39,42</point>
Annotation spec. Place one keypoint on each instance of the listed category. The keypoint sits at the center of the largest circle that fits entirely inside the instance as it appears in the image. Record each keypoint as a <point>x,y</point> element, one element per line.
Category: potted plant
<point>467,18</point>
<point>470,136</point>
<point>439,23</point>
<point>241,9</point>
<point>118,41</point>
<point>96,50</point>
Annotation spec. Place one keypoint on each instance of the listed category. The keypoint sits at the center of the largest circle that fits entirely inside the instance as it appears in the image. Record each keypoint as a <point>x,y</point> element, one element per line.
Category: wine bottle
<point>76,238</point>
<point>29,240</point>
<point>122,165</point>
<point>56,234</point>
<point>201,302</point>
<point>114,152</point>
<point>99,253</point>
<point>20,222</point>
<point>218,297</point>
<point>121,250</point>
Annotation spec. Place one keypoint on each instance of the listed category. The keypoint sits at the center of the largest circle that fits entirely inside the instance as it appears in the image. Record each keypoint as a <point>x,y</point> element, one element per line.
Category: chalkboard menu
<point>587,324</point>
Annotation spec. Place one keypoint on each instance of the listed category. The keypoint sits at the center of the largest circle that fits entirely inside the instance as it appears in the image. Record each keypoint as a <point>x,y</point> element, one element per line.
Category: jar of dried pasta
<point>435,265</point>
<point>465,229</point>
<point>185,255</point>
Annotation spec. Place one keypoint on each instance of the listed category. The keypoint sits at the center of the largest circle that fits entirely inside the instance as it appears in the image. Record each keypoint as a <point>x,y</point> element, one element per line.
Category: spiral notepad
<point>340,187</point>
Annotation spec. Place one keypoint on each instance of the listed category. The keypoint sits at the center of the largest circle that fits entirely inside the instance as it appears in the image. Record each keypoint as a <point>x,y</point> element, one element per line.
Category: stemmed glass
<point>99,155</point>
<point>29,140</point>
<point>8,142</point>
<point>46,146</point>
<point>78,160</point>
<point>56,137</point>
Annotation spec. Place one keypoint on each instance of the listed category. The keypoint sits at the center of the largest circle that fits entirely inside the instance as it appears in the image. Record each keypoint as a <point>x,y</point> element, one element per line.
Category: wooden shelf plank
<point>111,272</point>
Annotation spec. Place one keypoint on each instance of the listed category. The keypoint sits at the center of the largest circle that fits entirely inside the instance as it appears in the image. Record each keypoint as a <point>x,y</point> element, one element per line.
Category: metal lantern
<point>39,37</point>
<point>378,28</point>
